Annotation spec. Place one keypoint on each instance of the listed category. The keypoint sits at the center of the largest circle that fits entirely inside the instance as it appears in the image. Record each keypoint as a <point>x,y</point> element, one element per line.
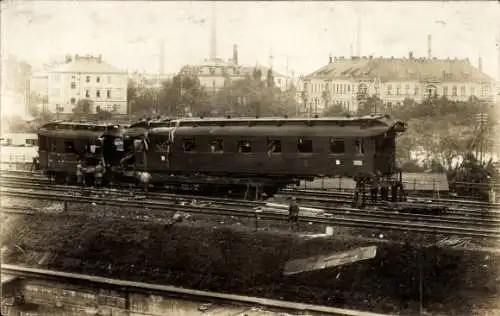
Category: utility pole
<point>482,121</point>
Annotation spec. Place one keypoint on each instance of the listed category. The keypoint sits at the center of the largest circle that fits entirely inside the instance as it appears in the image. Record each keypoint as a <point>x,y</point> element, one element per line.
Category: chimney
<point>358,36</point>
<point>68,58</point>
<point>99,58</point>
<point>480,64</point>
<point>330,59</point>
<point>213,35</point>
<point>235,54</point>
<point>410,55</point>
<point>429,47</point>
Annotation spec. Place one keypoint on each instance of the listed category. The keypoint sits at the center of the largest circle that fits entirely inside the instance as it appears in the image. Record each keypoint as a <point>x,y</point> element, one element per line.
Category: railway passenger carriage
<point>271,151</point>
<point>251,154</point>
<point>62,144</point>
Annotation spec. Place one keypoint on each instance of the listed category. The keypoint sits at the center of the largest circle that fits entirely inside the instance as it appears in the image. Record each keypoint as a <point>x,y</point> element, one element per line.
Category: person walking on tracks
<point>374,189</point>
<point>384,190</point>
<point>80,180</point>
<point>36,164</point>
<point>99,169</point>
<point>293,213</point>
<point>145,178</point>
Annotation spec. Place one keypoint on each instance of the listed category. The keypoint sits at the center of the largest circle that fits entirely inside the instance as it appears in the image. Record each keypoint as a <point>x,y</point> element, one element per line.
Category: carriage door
<point>387,153</point>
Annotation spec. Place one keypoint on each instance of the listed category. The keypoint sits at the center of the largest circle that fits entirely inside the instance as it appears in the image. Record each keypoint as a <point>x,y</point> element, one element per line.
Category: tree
<point>325,95</point>
<point>335,110</point>
<point>131,90</point>
<point>184,96</point>
<point>270,78</point>
<point>250,97</point>
<point>103,115</point>
<point>471,171</point>
<point>83,106</point>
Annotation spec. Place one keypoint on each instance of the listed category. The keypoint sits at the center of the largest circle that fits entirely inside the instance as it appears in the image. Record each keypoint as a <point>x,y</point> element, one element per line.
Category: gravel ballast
<point>237,259</point>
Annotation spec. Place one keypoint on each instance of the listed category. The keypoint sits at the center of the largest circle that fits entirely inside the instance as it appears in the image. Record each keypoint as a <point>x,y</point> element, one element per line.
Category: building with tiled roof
<point>215,73</point>
<point>87,77</point>
<point>348,81</point>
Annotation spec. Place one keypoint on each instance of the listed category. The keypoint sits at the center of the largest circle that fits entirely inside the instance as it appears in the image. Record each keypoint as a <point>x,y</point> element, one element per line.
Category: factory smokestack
<point>429,46</point>
<point>161,63</point>
<point>213,36</point>
<point>358,42</point>
<point>480,64</point>
<point>235,54</point>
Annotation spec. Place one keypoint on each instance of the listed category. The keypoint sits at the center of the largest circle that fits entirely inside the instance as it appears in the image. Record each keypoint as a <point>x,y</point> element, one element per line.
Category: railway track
<point>331,196</point>
<point>172,291</point>
<point>348,218</point>
<point>320,196</point>
<point>311,197</point>
<point>470,217</point>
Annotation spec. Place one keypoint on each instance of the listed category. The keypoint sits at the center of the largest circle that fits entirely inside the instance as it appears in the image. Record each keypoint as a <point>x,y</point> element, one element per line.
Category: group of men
<point>81,171</point>
<point>382,185</point>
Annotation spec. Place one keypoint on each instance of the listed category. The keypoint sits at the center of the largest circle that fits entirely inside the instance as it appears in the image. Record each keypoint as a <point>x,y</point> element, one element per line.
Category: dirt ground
<point>228,255</point>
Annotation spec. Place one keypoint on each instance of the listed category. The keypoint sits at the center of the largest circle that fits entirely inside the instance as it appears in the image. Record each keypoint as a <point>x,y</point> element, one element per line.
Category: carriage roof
<point>79,130</point>
<point>151,123</point>
<point>277,127</point>
<point>370,120</point>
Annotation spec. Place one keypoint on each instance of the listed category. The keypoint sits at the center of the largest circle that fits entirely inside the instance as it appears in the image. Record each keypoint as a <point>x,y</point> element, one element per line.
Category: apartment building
<point>90,78</point>
<point>348,81</point>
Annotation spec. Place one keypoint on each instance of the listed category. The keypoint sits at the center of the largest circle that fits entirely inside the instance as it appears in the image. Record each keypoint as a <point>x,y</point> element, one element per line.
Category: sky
<point>128,33</point>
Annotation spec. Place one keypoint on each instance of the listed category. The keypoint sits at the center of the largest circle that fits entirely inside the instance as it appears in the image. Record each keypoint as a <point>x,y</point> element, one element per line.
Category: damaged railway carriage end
<point>262,155</point>
<point>63,144</point>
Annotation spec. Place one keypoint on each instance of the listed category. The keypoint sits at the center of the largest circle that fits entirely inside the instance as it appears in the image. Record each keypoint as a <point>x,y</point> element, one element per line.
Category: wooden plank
<point>327,261</point>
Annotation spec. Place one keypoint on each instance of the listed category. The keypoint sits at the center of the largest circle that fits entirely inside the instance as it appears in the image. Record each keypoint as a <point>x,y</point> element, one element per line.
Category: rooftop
<point>87,64</point>
<point>400,69</point>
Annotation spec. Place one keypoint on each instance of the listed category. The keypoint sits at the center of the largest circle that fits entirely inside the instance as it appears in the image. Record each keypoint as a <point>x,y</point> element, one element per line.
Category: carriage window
<point>138,144</point>
<point>337,146</point>
<point>273,146</point>
<point>69,147</point>
<point>244,146</point>
<point>189,145</point>
<point>216,146</point>
<point>118,144</point>
<point>359,146</point>
<point>304,145</point>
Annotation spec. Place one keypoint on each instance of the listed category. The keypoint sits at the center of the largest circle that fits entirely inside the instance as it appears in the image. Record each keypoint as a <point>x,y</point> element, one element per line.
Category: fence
<point>439,184</point>
<point>16,161</point>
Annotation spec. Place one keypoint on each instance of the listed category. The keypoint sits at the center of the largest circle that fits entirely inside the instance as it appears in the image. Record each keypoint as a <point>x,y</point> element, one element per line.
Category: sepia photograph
<point>245,158</point>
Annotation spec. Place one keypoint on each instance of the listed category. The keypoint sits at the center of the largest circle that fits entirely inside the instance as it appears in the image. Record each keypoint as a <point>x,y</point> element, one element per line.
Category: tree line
<point>184,95</point>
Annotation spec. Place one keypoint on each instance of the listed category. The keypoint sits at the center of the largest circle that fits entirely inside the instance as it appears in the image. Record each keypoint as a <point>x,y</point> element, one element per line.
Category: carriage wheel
<point>270,190</point>
<point>60,177</point>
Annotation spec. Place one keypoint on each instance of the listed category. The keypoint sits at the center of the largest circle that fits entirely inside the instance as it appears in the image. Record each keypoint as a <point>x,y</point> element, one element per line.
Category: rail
<point>348,219</point>
<point>168,290</point>
<point>448,201</point>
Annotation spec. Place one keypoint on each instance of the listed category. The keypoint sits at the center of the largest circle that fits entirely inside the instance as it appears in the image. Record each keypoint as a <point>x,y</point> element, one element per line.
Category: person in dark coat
<point>374,189</point>
<point>293,212</point>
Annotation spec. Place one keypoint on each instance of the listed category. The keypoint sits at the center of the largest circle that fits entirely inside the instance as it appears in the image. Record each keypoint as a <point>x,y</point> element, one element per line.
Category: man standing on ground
<point>293,213</point>
<point>99,169</point>
<point>79,173</point>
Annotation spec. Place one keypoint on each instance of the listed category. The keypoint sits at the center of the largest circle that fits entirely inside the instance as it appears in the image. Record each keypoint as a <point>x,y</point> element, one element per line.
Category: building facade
<point>216,73</point>
<point>347,82</point>
<point>87,78</point>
